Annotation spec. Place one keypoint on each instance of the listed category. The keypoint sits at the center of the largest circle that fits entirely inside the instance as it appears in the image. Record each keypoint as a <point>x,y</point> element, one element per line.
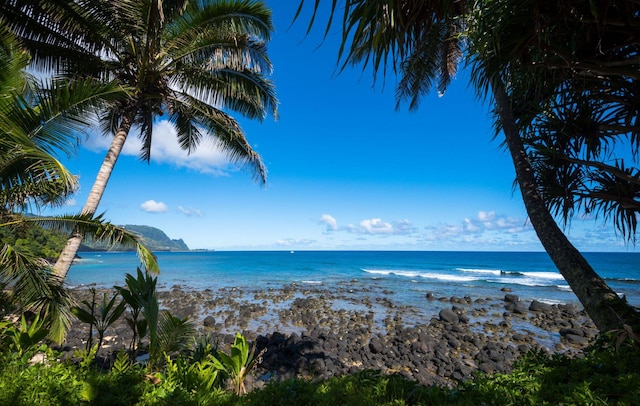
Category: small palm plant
<point>108,313</point>
<point>167,333</point>
<point>136,294</point>
<point>239,363</point>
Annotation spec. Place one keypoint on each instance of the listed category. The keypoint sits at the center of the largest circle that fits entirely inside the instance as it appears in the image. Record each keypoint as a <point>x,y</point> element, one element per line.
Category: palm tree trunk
<point>607,310</point>
<point>61,268</point>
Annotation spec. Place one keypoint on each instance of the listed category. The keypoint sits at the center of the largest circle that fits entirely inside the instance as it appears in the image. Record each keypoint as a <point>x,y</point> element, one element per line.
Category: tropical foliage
<point>189,62</point>
<point>107,313</point>
<point>33,120</point>
<point>167,334</point>
<point>602,377</point>
<point>555,168</point>
<point>576,101</point>
<point>239,363</point>
<point>34,241</point>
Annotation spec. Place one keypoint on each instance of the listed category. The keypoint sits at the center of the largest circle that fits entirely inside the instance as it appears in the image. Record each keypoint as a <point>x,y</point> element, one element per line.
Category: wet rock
<point>309,333</point>
<point>568,309</point>
<point>572,331</point>
<point>537,306</point>
<point>516,307</point>
<point>448,316</point>
<point>376,345</point>
<point>576,339</point>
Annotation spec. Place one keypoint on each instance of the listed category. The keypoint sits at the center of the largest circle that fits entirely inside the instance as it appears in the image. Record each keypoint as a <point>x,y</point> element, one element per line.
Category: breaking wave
<point>477,275</point>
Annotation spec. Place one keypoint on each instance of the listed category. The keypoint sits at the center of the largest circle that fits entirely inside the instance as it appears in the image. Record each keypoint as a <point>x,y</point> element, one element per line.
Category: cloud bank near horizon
<point>485,228</point>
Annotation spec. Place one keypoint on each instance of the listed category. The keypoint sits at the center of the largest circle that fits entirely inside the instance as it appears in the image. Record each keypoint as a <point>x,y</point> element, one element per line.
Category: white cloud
<point>490,221</point>
<point>190,211</point>
<point>486,230</point>
<point>292,242</point>
<point>71,202</point>
<point>207,158</point>
<point>486,215</point>
<point>377,226</point>
<point>329,221</point>
<point>151,206</point>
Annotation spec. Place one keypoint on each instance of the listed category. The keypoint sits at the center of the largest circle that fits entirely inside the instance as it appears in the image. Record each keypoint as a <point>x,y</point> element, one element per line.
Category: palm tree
<point>33,121</point>
<point>557,101</point>
<point>188,61</point>
<point>577,139</point>
<point>399,32</point>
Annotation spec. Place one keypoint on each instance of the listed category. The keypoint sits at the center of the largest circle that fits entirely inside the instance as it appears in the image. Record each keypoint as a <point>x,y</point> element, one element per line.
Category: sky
<point>346,170</point>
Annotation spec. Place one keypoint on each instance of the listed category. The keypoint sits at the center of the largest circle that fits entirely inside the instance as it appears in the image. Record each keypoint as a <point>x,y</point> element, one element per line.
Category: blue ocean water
<point>408,274</point>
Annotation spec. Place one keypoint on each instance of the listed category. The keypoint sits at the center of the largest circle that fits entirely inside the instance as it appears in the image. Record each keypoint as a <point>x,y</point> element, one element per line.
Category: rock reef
<point>315,333</point>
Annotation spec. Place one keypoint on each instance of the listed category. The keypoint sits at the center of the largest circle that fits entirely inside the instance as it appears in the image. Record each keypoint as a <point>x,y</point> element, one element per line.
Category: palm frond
<point>419,40</point>
<point>96,228</point>
<point>13,60</point>
<point>28,175</point>
<point>34,288</point>
<point>222,129</point>
<point>233,16</point>
<point>174,333</point>
<point>145,119</point>
<point>69,107</point>
<point>242,91</point>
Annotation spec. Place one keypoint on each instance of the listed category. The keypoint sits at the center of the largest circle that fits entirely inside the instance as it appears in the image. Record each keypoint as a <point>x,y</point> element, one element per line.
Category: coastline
<point>310,331</point>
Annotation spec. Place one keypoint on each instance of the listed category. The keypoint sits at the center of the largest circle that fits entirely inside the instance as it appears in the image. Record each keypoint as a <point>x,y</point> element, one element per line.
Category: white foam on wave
<point>426,275</point>
<point>411,274</point>
<point>312,282</point>
<point>471,275</point>
<point>378,271</point>
<point>564,288</point>
<point>544,275</point>
<point>496,272</point>
<point>519,281</point>
<point>550,301</point>
<point>447,277</point>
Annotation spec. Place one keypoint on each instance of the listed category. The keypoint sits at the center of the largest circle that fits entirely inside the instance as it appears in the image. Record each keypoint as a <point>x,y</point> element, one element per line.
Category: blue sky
<point>346,170</point>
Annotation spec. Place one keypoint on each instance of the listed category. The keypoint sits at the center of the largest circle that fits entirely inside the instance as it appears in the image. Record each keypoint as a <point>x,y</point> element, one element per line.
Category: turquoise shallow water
<point>409,274</point>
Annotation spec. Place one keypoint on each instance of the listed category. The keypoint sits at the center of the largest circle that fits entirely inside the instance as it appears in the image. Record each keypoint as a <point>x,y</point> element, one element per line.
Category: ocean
<point>406,275</point>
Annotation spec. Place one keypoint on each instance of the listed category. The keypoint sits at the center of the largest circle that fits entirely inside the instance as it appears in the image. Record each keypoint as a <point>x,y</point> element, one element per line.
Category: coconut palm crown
<point>188,62</point>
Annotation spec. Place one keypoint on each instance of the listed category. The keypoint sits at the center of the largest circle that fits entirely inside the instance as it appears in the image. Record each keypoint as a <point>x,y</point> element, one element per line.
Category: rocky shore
<point>317,333</point>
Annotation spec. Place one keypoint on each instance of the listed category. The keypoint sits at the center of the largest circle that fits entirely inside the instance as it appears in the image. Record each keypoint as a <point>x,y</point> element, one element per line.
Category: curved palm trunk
<point>61,268</point>
<point>607,310</point>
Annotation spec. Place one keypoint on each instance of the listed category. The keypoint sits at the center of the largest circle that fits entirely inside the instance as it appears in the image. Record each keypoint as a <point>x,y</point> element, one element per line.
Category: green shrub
<point>604,376</point>
<point>49,383</point>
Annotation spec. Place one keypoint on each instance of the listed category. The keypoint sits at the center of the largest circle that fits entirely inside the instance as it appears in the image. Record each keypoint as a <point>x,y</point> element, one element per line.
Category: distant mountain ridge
<point>156,239</point>
<point>153,238</point>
